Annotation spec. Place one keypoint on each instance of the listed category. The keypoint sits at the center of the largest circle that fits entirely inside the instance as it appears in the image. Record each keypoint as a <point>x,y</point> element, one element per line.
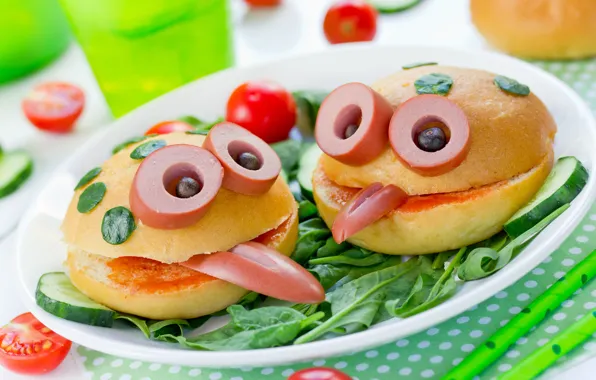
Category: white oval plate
<point>41,250</point>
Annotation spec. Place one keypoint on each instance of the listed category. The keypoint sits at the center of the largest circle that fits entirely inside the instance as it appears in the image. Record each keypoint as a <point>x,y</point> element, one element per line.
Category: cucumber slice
<point>392,6</point>
<point>308,103</point>
<point>563,184</point>
<point>57,295</point>
<point>15,168</point>
<point>307,165</point>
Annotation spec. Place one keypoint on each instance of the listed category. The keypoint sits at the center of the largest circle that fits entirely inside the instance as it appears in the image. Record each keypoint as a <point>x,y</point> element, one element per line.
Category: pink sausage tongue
<point>368,206</point>
<point>256,267</point>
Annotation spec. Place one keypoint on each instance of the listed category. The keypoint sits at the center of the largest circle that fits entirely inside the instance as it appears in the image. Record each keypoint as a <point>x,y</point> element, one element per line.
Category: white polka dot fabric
<point>431,353</point>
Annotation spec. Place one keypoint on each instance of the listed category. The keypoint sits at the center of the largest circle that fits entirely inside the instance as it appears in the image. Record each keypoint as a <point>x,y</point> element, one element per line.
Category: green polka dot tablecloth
<point>431,353</point>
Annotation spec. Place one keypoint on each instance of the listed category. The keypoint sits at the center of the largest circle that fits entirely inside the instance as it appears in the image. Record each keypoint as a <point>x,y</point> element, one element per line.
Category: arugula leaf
<point>484,261</point>
<point>312,235</point>
<point>138,322</point>
<point>306,210</point>
<point>289,153</point>
<point>355,304</point>
<point>260,328</point>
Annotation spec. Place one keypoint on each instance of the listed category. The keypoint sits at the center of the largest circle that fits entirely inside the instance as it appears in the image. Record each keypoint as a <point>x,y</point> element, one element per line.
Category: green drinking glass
<point>141,49</point>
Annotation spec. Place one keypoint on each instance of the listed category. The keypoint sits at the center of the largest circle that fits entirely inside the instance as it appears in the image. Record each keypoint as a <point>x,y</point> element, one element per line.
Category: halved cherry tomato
<point>28,347</point>
<point>169,126</point>
<point>319,373</point>
<point>54,106</point>
<point>256,267</point>
<point>350,21</point>
<point>263,107</point>
<point>263,3</point>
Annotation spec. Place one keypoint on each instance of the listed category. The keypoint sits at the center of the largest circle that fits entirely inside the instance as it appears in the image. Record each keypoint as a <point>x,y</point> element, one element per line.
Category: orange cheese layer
<point>150,276</point>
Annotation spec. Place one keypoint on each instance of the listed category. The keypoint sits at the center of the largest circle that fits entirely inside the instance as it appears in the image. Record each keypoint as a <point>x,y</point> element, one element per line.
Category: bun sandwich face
<point>181,232</point>
<point>429,159</point>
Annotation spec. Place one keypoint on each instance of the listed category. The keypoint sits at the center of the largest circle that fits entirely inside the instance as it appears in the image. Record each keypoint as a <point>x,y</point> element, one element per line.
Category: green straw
<point>487,353</point>
<point>546,355</point>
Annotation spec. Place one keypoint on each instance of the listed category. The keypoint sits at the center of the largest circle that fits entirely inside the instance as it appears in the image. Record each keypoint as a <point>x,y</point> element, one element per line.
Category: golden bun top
<point>232,218</point>
<point>542,29</point>
<point>509,135</point>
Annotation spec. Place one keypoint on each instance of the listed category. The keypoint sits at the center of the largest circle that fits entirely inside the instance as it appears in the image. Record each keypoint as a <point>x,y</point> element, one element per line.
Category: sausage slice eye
<point>352,124</point>
<point>174,186</point>
<point>250,165</point>
<point>430,134</point>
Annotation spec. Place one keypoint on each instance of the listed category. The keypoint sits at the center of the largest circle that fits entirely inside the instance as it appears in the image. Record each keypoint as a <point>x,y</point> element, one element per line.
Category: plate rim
<point>341,345</point>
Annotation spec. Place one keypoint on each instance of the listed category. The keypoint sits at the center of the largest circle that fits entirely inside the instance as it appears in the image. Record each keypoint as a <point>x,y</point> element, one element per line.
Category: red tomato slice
<point>265,108</point>
<point>28,347</point>
<point>256,267</point>
<point>320,373</point>
<point>350,21</point>
<point>54,107</point>
<point>169,126</point>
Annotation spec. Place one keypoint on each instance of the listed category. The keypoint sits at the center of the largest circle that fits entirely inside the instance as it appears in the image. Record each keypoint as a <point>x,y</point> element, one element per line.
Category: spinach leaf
<point>192,120</point>
<point>312,235</point>
<point>260,328</point>
<point>511,86</point>
<point>117,225</point>
<point>355,304</point>
<point>91,197</point>
<point>169,326</point>
<point>441,258</point>
<point>306,210</point>
<point>418,64</point>
<point>344,258</point>
<point>434,83</point>
<point>331,248</point>
<point>328,274</point>
<point>88,177</point>
<point>288,152</point>
<point>484,261</point>
<point>431,288</point>
<point>354,273</point>
<point>203,128</point>
<point>145,149</point>
<point>127,143</point>
<point>140,323</point>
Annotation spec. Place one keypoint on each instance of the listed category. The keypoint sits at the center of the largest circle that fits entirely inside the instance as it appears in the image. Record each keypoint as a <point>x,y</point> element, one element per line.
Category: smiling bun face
<point>230,220</point>
<point>509,135</point>
<point>509,155</point>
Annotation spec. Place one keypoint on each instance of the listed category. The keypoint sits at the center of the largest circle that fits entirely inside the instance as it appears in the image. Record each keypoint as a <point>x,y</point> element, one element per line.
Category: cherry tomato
<point>28,347</point>
<point>169,126</point>
<point>265,108</point>
<point>54,107</point>
<point>319,373</point>
<point>350,21</point>
<point>263,3</point>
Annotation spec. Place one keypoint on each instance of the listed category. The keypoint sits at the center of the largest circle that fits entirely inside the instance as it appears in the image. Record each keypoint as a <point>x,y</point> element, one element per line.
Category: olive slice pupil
<point>187,187</point>
<point>248,161</point>
<point>350,130</point>
<point>431,139</point>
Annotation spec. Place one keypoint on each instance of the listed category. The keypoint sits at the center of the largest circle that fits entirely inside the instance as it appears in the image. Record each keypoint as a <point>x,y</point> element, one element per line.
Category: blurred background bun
<point>539,29</point>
